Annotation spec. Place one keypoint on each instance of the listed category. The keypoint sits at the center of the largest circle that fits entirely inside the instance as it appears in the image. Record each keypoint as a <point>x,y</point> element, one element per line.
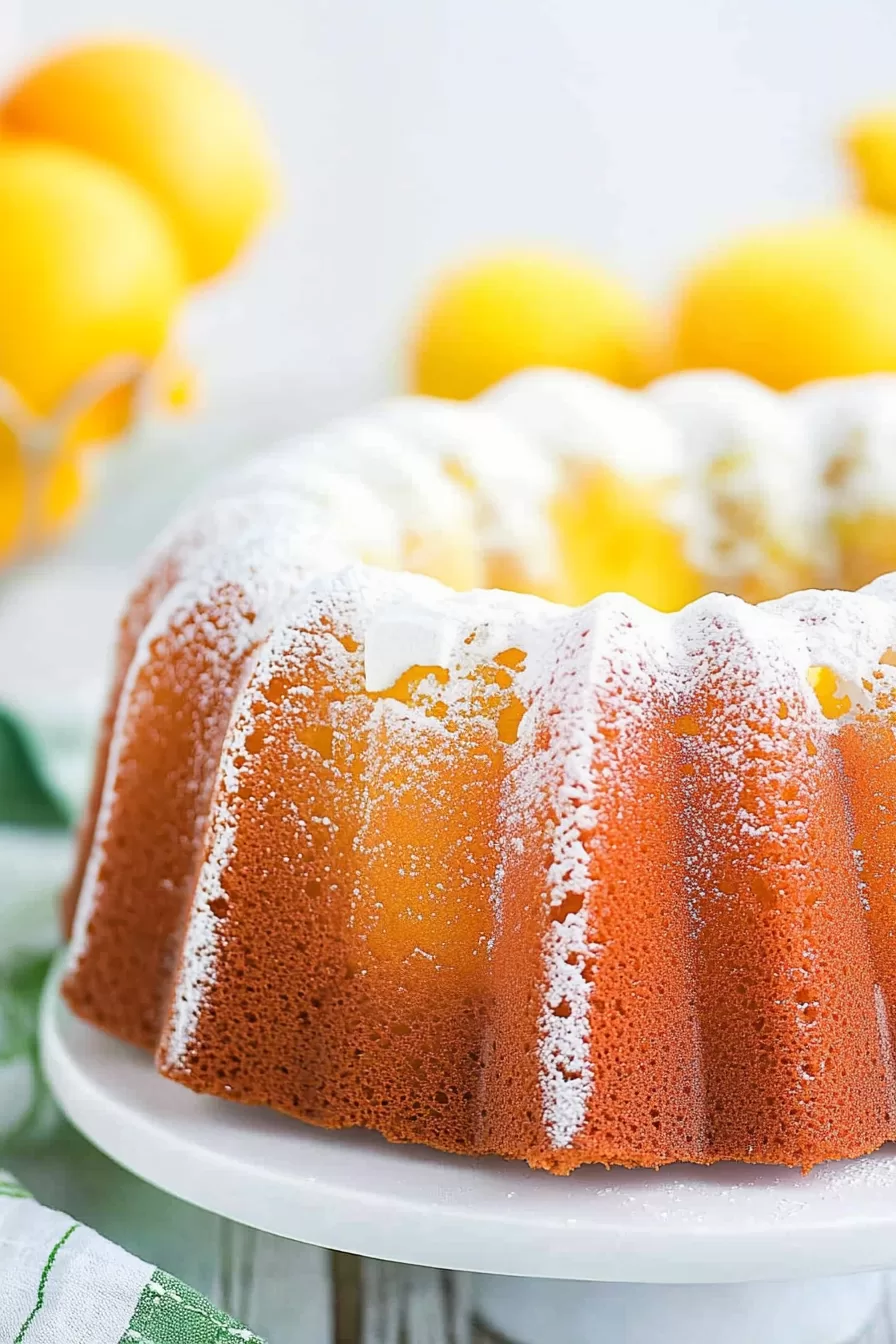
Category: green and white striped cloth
<point>60,1283</point>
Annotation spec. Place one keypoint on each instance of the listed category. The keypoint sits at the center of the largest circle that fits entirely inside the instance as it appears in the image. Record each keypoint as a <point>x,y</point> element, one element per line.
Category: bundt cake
<point>385,833</point>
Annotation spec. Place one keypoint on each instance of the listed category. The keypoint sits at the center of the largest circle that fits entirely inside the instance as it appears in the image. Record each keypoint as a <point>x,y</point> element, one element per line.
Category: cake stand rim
<point>351,1191</point>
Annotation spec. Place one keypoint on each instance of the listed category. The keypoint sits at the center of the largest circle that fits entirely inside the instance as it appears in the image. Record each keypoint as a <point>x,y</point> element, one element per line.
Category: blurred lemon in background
<point>499,314</point>
<point>794,303</point>
<point>171,124</point>
<point>127,172</point>
<point>89,270</point>
<point>871,146</point>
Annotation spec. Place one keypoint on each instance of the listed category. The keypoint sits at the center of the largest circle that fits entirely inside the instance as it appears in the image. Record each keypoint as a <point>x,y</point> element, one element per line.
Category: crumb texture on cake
<point>519,777</point>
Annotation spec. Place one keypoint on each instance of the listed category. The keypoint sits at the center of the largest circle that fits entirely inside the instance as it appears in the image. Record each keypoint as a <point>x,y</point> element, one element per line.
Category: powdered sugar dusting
<point>573,416</point>
<point>751,478</point>
<point>723,642</point>
<point>347,600</point>
<point>198,960</point>
<point>566,1073</point>
<point>847,632</point>
<point>851,424</point>
<point>510,477</point>
<point>611,643</point>
<point>89,890</point>
<point>748,485</point>
<point>655,661</point>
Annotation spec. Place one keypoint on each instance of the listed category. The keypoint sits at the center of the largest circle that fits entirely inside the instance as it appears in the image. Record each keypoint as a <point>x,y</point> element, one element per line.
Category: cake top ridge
<point>509,476</point>
<point>851,424</point>
<point>745,458</point>
<point>354,492</point>
<point>573,415</point>
<point>754,481</point>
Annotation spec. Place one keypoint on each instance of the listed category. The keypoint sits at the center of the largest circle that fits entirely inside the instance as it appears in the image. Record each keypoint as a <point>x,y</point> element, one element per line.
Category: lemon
<point>88,270</point>
<point>795,303</point>
<point>174,126</point>
<point>871,144</point>
<point>499,314</point>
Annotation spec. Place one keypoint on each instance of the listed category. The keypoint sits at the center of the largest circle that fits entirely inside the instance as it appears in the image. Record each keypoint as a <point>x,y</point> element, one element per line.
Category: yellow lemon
<point>787,305</point>
<point>88,270</point>
<point>871,144</point>
<point>174,126</point>
<point>499,314</point>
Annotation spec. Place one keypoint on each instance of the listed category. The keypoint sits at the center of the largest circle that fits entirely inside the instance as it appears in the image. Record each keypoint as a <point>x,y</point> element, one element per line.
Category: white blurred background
<point>413,131</point>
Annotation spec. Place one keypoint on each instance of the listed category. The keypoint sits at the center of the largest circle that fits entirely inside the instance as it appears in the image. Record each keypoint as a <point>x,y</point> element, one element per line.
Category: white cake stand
<point>741,1229</point>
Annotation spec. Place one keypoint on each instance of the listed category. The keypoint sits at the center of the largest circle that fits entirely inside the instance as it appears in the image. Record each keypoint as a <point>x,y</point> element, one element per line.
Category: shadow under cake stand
<point>744,1254</point>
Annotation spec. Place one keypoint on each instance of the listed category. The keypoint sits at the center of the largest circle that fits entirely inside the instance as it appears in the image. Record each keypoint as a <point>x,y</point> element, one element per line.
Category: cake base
<point>351,1191</point>
<point>804,1311</point>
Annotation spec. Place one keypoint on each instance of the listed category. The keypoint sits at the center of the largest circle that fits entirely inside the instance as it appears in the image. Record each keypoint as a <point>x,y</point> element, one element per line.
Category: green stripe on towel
<point>171,1313</point>
<point>47,1270</point>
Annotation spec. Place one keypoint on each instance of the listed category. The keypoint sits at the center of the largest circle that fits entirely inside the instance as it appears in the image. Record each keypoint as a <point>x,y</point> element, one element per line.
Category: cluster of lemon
<point>128,173</point>
<point>785,305</point>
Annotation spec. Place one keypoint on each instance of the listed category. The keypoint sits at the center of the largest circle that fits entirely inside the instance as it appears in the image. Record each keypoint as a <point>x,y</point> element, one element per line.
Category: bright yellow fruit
<point>803,301</point>
<point>89,270</point>
<point>174,126</point>
<point>871,144</point>
<point>500,314</point>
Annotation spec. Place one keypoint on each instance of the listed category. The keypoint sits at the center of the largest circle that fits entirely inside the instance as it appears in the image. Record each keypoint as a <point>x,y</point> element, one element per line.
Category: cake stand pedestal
<point>734,1253</point>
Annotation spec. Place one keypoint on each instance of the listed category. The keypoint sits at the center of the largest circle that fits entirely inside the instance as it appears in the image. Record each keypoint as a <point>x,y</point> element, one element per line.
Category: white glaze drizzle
<point>851,425</point>
<point>510,476</point>
<point>572,416</point>
<point>744,451</point>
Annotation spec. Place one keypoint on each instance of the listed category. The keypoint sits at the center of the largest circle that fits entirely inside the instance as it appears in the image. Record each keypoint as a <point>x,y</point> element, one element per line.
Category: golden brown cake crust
<point>593,885</point>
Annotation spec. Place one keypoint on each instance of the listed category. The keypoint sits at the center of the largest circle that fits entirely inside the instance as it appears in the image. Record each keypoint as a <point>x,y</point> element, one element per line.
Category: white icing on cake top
<point>851,424</point>
<point>572,416</point>
<point>453,631</point>
<point>751,478</point>
<point>747,473</point>
<point>510,477</point>
<point>427,503</point>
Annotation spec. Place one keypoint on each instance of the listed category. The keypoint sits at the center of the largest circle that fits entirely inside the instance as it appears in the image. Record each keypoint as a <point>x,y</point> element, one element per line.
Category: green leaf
<point>25,797</point>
